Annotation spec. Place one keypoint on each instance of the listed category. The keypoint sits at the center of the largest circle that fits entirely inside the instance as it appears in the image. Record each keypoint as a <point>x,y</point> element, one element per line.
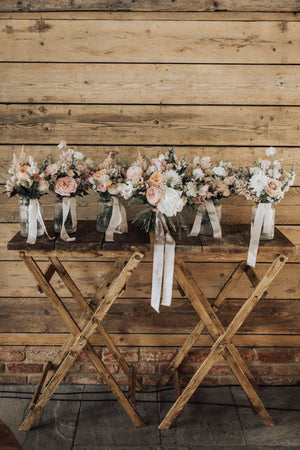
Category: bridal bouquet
<point>158,183</point>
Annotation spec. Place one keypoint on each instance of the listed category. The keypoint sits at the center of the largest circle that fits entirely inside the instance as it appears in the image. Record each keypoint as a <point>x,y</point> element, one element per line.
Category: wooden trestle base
<point>127,259</point>
<point>127,251</point>
<point>208,319</point>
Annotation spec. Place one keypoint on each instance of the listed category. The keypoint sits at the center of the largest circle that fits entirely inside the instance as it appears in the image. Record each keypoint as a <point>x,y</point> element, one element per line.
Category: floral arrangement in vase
<point>158,184</point>
<point>68,178</point>
<point>109,181</point>
<point>28,181</point>
<point>265,183</point>
<point>206,183</point>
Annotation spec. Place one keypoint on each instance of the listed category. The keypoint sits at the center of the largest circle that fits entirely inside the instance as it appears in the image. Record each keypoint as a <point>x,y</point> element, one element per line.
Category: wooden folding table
<point>127,251</point>
<point>232,247</point>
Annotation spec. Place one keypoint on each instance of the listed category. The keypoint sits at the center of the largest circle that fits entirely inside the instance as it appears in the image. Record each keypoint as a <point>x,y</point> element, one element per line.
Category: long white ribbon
<point>68,205</point>
<point>118,221</point>
<point>263,221</point>
<point>163,264</point>
<point>35,217</point>
<point>213,217</point>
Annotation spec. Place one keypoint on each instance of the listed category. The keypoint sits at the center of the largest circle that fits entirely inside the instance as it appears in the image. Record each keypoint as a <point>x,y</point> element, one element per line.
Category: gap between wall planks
<point>74,76</point>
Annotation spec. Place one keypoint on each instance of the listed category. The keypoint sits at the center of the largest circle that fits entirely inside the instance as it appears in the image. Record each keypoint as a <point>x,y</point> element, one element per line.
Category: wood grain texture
<point>148,83</point>
<point>156,125</point>
<point>111,41</point>
<point>149,5</point>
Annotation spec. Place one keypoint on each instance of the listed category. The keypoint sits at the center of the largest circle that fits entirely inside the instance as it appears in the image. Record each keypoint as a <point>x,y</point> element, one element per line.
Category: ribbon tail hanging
<point>268,219</point>
<point>198,221</point>
<point>255,234</point>
<point>32,220</point>
<point>66,205</point>
<point>158,264</point>
<point>115,220</point>
<point>123,225</point>
<point>73,210</point>
<point>41,221</point>
<point>169,259</point>
<point>214,219</point>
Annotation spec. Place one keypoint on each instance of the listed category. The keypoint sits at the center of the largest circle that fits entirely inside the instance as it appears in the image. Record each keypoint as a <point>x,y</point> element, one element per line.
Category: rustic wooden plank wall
<point>219,77</point>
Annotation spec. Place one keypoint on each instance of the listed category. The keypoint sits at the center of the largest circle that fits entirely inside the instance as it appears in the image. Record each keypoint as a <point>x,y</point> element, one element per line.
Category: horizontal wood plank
<point>89,274</point>
<point>144,340</point>
<point>148,83</point>
<point>137,316</point>
<point>118,41</point>
<point>150,5</point>
<point>150,124</point>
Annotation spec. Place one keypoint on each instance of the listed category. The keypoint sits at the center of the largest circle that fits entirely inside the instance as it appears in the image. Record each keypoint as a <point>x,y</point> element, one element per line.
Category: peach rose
<point>157,178</point>
<point>97,175</point>
<point>51,169</point>
<point>102,186</point>
<point>153,195</point>
<point>65,186</point>
<point>273,188</point>
<point>134,173</point>
<point>22,173</point>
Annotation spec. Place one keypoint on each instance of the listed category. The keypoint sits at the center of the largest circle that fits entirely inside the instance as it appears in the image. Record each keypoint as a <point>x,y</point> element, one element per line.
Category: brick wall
<point>276,366</point>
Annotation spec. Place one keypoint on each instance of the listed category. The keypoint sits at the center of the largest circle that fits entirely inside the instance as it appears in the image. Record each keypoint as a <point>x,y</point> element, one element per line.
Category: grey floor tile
<point>207,420</point>
<point>103,420</point>
<point>55,427</point>
<point>280,402</point>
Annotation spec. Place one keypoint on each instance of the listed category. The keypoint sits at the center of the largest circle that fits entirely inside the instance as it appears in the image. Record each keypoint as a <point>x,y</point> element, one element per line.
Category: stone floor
<point>88,418</point>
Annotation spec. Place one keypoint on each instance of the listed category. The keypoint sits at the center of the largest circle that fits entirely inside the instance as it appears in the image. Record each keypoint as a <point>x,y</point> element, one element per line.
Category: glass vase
<point>103,216</point>
<point>267,233</point>
<point>24,218</point>
<point>70,225</point>
<point>206,226</point>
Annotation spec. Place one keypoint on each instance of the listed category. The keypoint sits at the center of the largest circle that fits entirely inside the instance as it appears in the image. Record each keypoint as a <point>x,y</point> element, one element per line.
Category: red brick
<point>247,354</point>
<point>197,355</point>
<point>13,353</point>
<point>260,370</point>
<point>89,368</point>
<point>11,379</point>
<point>2,368</point>
<point>82,357</point>
<point>131,354</point>
<point>121,379</point>
<point>228,380</point>
<point>220,370</point>
<point>33,379</point>
<point>287,370</point>
<point>25,368</point>
<point>157,354</point>
<point>144,368</point>
<point>275,355</point>
<point>77,379</point>
<point>279,381</point>
<point>150,380</point>
<point>187,369</point>
<point>41,353</point>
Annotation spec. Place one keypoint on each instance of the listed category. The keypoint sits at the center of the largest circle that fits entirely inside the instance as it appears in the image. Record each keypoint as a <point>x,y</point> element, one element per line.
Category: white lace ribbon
<point>263,221</point>
<point>118,222</point>
<point>35,217</point>
<point>68,205</point>
<point>213,217</point>
<point>163,264</point>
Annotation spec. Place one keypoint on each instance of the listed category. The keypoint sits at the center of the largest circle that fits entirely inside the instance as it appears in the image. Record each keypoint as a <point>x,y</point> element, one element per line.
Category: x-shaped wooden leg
<point>80,334</point>
<point>222,339</point>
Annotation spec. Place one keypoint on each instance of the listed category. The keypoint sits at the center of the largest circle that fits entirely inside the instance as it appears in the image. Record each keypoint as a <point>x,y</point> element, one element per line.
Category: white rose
<point>43,186</point>
<point>78,155</point>
<point>219,171</point>
<point>171,202</point>
<point>198,173</point>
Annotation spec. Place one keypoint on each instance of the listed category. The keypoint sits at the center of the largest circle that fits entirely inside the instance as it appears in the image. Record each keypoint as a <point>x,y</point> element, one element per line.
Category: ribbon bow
<point>163,264</point>
<point>118,221</point>
<point>263,222</point>
<point>208,206</point>
<point>68,205</point>
<point>35,217</point>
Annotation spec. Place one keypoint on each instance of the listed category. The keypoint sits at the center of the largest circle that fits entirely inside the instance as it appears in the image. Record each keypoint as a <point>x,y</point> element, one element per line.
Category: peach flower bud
<point>157,178</point>
<point>153,195</point>
<point>65,186</point>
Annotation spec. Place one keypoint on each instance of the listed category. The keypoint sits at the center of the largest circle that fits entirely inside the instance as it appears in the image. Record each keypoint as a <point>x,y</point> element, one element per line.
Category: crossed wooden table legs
<point>81,331</point>
<point>222,338</point>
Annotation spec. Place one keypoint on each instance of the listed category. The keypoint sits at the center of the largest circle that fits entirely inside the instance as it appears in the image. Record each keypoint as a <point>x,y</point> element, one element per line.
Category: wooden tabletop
<point>233,246</point>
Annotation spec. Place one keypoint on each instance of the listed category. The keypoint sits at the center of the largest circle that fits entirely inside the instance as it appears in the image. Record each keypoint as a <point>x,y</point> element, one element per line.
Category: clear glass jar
<point>103,216</point>
<point>70,225</point>
<point>206,227</point>
<point>24,218</point>
<point>267,231</point>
